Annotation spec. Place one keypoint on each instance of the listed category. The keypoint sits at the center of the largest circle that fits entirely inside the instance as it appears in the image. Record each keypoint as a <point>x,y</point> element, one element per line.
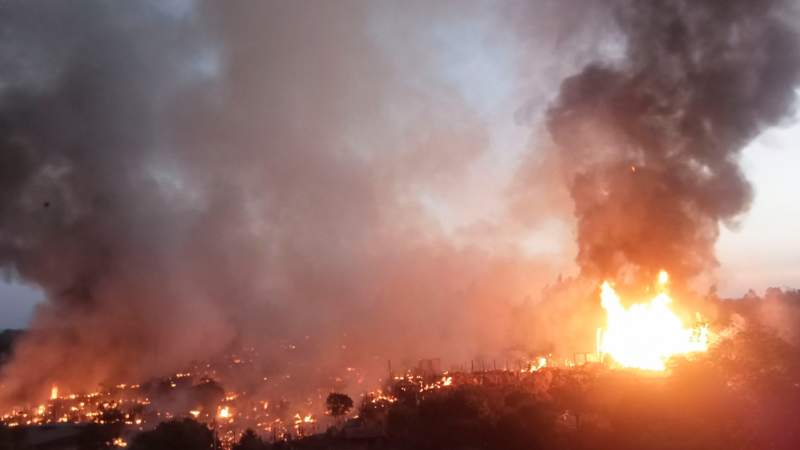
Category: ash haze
<point>362,180</point>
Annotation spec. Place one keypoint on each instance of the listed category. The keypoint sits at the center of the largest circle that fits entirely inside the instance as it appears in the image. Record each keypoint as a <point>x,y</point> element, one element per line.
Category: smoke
<point>186,178</point>
<point>182,178</point>
<point>648,140</point>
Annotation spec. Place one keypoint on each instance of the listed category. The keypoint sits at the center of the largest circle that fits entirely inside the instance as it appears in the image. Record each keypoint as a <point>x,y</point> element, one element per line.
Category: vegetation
<point>338,404</point>
<point>183,434</point>
<point>741,395</point>
<point>250,441</point>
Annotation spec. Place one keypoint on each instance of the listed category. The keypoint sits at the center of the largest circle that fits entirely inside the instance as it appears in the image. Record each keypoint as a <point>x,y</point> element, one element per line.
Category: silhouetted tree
<point>250,441</point>
<point>95,436</point>
<point>185,434</point>
<point>338,404</point>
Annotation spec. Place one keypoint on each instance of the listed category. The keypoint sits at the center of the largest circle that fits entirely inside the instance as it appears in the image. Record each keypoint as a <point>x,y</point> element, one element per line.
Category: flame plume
<point>646,335</point>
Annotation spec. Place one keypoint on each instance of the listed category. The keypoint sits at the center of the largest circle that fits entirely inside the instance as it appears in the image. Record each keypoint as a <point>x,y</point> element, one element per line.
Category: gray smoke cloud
<point>186,178</point>
<point>648,141</point>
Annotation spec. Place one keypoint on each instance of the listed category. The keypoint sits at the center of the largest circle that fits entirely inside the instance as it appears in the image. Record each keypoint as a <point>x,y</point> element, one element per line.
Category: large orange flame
<point>646,335</point>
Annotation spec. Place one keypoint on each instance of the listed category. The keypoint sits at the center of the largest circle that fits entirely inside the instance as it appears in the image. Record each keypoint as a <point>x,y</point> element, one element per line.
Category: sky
<point>759,251</point>
<point>762,250</point>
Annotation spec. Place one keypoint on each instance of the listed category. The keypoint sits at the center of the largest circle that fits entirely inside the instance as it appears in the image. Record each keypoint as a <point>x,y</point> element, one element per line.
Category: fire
<point>236,411</point>
<point>301,424</point>
<point>224,412</point>
<point>540,362</point>
<point>646,335</point>
<point>119,442</point>
<point>663,278</point>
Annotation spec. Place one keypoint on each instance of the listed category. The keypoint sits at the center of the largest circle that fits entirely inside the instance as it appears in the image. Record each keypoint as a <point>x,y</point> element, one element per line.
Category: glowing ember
<point>132,407</point>
<point>646,335</point>
<point>540,362</point>
<point>119,442</point>
<point>224,412</point>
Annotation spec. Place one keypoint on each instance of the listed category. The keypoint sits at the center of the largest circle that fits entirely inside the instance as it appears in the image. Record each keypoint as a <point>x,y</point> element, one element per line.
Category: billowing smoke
<point>185,178</point>
<point>648,140</point>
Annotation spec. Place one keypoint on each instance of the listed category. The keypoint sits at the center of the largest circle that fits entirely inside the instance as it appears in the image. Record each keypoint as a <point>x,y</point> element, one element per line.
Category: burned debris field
<point>741,394</point>
<point>462,224</point>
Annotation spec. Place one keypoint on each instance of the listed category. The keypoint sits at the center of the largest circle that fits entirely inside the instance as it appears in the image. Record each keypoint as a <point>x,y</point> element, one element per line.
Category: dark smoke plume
<point>649,142</point>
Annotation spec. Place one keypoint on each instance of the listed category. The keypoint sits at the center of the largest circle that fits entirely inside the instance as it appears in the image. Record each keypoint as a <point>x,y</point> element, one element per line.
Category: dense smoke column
<point>84,213</point>
<point>182,179</point>
<point>649,143</point>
